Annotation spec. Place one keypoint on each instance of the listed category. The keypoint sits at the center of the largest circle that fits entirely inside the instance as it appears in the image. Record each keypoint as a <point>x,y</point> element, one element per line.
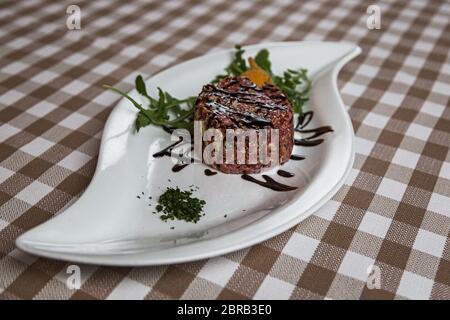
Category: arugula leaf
<point>296,85</point>
<point>262,60</point>
<point>236,67</point>
<point>137,105</point>
<point>166,111</point>
<point>140,86</point>
<point>239,65</point>
<point>141,121</point>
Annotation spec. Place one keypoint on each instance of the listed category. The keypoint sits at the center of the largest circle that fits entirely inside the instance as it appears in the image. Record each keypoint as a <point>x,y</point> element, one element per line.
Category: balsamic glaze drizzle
<point>210,172</point>
<point>297,157</point>
<point>167,129</point>
<point>303,120</point>
<point>268,183</point>
<point>240,96</point>
<point>246,118</point>
<point>285,174</point>
<point>316,132</point>
<point>308,143</point>
<point>168,150</point>
<point>179,166</point>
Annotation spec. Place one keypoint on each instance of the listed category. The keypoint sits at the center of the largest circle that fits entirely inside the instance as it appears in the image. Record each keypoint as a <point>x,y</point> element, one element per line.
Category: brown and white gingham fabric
<point>392,212</point>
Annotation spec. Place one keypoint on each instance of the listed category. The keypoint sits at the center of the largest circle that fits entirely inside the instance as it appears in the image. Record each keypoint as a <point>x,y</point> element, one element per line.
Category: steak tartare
<point>237,103</point>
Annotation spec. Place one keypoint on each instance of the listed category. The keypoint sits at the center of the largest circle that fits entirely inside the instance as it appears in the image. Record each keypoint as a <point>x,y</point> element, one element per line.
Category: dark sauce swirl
<point>285,174</point>
<point>268,183</point>
<point>179,166</point>
<point>303,120</point>
<point>247,119</point>
<point>297,157</point>
<point>168,150</point>
<point>256,98</point>
<point>209,172</point>
<point>308,143</point>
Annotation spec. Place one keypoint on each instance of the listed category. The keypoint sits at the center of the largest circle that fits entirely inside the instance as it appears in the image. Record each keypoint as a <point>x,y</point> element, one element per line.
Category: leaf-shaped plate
<point>109,225</point>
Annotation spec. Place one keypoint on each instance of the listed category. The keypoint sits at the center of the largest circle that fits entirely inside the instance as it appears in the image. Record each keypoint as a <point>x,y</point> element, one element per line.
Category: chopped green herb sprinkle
<point>180,205</point>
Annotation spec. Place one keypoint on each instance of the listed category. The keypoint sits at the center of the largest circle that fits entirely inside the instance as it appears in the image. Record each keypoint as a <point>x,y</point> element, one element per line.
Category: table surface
<point>393,211</point>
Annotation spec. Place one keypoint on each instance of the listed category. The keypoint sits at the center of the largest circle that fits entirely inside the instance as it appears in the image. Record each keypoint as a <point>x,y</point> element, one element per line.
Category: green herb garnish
<point>296,85</point>
<point>180,205</point>
<point>169,112</point>
<point>166,111</point>
<point>262,59</point>
<point>236,67</point>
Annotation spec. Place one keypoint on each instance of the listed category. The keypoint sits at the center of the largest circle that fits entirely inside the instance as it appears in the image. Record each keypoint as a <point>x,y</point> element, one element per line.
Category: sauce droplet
<point>210,172</point>
<point>285,174</point>
<point>297,157</point>
<point>308,143</point>
<point>178,167</point>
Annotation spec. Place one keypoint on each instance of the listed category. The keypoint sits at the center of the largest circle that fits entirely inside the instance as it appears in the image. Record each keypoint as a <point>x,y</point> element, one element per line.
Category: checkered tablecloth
<point>392,213</point>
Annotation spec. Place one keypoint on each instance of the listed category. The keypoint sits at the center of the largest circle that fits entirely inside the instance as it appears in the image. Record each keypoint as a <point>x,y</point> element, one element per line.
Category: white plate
<point>108,225</point>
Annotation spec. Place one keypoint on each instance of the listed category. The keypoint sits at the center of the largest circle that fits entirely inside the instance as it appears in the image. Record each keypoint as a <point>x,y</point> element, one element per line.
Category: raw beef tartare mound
<point>237,103</point>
